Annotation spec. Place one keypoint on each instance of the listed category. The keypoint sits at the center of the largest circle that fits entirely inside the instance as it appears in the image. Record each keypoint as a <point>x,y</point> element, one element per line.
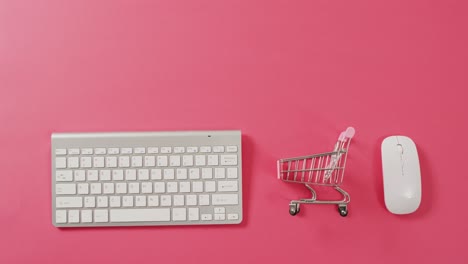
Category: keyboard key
<point>179,149</point>
<point>89,201</point>
<point>220,173</point>
<point>172,187</point>
<point>218,149</point>
<point>134,187</point>
<point>200,160</point>
<point>231,149</point>
<point>126,150</point>
<point>193,214</point>
<point>168,174</point>
<point>192,149</point>
<point>204,199</point>
<point>117,175</point>
<point>100,151</point>
<point>86,151</point>
<point>73,216</point>
<point>181,174</point>
<point>73,162</point>
<point>178,200</point>
<point>153,150</point>
<point>140,201</point>
<point>220,210</point>
<point>146,187</point>
<point>156,174</point>
<point>162,161</point>
<point>137,161</point>
<point>61,216</point>
<point>124,161</point>
<point>224,199</point>
<point>108,188</point>
<point>179,214</point>
<point>197,187</point>
<point>150,161</point>
<point>207,173</point>
<point>205,149</point>
<point>210,186</point>
<point>86,216</point>
<point>101,216</point>
<point>98,162</point>
<point>206,217</point>
<point>187,160</point>
<point>130,175</point>
<point>194,173</point>
<point>96,188</point>
<point>184,187</point>
<point>74,151</point>
<point>166,150</point>
<point>105,175</point>
<point>212,160</point>
<point>65,188</point>
<point>68,202</point>
<point>114,201</point>
<point>83,188</point>
<point>111,162</point>
<point>159,187</point>
<point>228,160</point>
<point>143,174</point>
<point>60,163</point>
<point>153,200</point>
<point>127,201</point>
<point>64,175</point>
<point>232,173</point>
<point>174,161</point>
<point>166,200</point>
<point>140,215</point>
<point>220,217</point>
<point>102,201</point>
<point>227,186</point>
<point>233,216</point>
<point>86,162</point>
<point>92,175</point>
<point>121,187</point>
<point>61,152</point>
<point>191,199</point>
<point>139,150</point>
<point>79,175</point>
<point>113,151</point>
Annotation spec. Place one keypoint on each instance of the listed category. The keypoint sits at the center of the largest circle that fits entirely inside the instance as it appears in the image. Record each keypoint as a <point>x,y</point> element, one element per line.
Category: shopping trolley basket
<point>326,169</point>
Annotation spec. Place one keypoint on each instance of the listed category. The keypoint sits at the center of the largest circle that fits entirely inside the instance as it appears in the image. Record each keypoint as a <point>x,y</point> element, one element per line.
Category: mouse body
<point>401,175</point>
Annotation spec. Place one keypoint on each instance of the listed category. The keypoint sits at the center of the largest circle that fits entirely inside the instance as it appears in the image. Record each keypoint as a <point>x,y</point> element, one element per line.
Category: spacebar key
<point>140,215</point>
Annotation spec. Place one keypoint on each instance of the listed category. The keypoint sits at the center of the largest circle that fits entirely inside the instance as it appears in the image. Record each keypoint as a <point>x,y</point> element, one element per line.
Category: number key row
<point>145,161</point>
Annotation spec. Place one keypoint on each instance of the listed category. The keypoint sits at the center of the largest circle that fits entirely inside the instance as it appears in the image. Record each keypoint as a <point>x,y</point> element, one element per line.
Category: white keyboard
<point>146,178</point>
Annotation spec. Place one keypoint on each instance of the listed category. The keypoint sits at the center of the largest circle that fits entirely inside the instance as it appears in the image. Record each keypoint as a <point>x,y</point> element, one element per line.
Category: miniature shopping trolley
<point>326,169</point>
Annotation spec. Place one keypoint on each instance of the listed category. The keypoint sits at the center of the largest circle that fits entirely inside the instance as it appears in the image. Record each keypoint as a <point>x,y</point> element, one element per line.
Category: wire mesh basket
<point>326,169</point>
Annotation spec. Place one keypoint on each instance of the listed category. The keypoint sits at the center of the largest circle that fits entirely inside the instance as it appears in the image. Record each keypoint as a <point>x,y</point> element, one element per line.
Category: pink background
<point>290,74</point>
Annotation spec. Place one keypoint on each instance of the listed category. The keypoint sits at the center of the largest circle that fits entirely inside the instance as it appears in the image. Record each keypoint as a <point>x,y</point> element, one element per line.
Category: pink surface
<point>290,74</point>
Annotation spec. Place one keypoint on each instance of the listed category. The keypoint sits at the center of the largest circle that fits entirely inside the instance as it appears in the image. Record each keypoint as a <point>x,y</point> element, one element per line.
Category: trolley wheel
<point>343,210</point>
<point>294,209</point>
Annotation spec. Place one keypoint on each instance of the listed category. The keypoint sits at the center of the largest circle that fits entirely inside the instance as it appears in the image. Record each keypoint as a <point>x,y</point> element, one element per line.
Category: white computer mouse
<point>401,175</point>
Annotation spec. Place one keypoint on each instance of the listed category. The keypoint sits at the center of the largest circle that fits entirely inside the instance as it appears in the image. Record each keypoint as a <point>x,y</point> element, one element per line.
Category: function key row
<point>142,150</point>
